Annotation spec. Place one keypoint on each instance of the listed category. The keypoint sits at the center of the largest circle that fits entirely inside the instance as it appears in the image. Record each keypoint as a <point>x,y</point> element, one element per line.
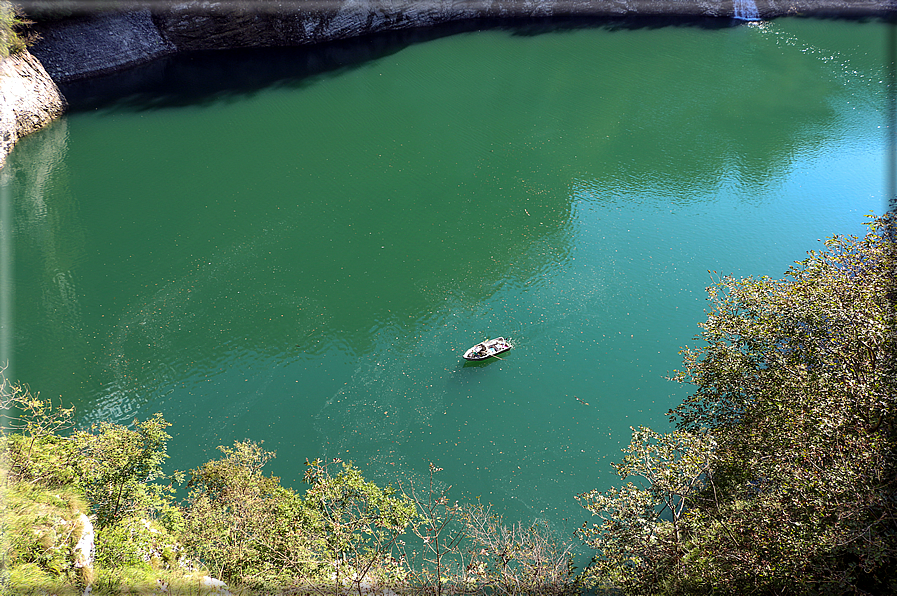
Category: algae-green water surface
<point>301,257</point>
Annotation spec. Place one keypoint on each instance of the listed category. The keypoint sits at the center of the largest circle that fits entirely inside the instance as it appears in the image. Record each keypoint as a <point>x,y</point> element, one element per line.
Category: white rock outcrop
<point>210,585</point>
<point>29,99</point>
<point>84,552</point>
<point>84,549</point>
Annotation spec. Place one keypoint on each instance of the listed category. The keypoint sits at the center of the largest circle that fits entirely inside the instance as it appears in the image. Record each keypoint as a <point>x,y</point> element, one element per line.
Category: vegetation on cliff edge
<point>782,475</point>
<point>12,39</point>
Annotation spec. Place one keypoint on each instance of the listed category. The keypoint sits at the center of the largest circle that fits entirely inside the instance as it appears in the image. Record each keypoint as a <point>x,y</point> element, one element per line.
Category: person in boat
<point>481,350</point>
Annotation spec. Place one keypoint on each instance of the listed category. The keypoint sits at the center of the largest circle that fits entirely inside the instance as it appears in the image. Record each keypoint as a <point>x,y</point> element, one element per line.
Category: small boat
<point>487,349</point>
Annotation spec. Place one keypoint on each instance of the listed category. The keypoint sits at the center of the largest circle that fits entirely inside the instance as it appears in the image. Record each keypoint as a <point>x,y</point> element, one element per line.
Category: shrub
<point>41,528</point>
<point>795,385</point>
<point>117,467</point>
<point>11,22</point>
<point>242,524</point>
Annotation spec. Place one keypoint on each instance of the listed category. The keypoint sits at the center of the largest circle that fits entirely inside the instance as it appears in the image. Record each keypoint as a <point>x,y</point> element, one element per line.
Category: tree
<point>517,559</point>
<point>441,533</point>
<point>244,525</point>
<point>118,467</point>
<point>795,381</point>
<point>360,523</point>
<point>798,380</point>
<point>644,532</point>
<point>30,428</point>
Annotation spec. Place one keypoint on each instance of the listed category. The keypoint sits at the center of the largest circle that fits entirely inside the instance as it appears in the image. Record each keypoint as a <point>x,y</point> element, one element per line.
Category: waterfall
<point>745,10</point>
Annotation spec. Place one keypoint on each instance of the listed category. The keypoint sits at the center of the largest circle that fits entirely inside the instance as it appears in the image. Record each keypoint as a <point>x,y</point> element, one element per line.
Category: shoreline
<point>99,41</point>
<point>105,41</point>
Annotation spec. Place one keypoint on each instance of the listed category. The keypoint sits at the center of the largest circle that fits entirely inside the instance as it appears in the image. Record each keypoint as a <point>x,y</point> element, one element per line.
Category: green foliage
<point>644,530</point>
<point>135,541</point>
<point>30,429</point>
<point>117,467</point>
<point>828,325</point>
<point>11,23</point>
<point>41,527</point>
<point>242,524</point>
<point>138,556</point>
<point>28,415</point>
<point>795,381</point>
<point>358,524</point>
<point>225,494</point>
<point>30,579</point>
<point>109,471</point>
<point>44,461</point>
<point>247,528</point>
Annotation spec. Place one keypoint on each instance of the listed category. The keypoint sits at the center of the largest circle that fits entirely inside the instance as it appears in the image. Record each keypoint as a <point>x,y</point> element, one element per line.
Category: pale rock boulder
<point>84,551</point>
<point>211,586</point>
<point>29,99</point>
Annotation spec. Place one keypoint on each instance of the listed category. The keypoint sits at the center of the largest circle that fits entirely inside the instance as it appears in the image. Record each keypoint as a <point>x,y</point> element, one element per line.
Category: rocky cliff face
<point>29,99</point>
<point>217,25</point>
<point>108,42</point>
<point>200,24</point>
<point>99,44</point>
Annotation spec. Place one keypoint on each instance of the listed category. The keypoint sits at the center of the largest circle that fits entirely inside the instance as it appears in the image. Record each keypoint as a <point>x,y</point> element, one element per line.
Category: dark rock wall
<point>99,44</point>
<point>108,42</point>
<point>230,24</point>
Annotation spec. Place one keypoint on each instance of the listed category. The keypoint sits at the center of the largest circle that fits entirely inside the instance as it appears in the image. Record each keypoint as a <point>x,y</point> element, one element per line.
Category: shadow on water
<point>481,363</point>
<point>204,77</point>
<point>561,24</point>
<point>212,76</point>
<point>384,232</point>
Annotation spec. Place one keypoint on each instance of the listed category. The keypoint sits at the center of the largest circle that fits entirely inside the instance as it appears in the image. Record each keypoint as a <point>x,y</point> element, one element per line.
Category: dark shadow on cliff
<point>530,27</point>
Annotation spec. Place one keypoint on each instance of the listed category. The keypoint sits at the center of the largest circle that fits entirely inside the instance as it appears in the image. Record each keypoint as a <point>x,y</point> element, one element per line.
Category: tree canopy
<point>781,476</point>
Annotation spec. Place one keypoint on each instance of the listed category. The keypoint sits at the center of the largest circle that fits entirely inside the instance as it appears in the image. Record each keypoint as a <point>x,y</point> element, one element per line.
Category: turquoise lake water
<point>301,255</point>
